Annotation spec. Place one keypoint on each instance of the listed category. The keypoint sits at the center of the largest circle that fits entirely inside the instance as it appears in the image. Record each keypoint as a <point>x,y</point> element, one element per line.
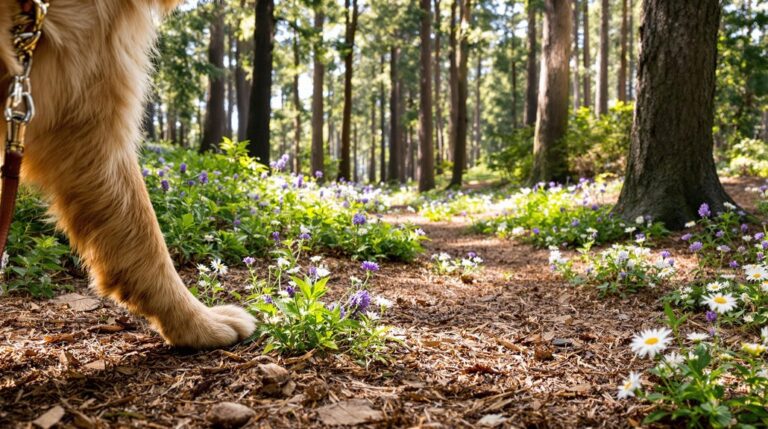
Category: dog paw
<point>212,328</point>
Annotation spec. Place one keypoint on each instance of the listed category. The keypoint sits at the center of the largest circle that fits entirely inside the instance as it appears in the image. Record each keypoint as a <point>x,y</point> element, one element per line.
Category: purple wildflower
<point>304,236</point>
<point>276,236</point>
<point>318,174</point>
<point>704,210</point>
<point>145,172</point>
<point>249,260</point>
<point>290,290</point>
<point>267,299</point>
<point>695,246</point>
<point>686,237</point>
<point>236,222</point>
<point>744,227</point>
<point>203,177</point>
<point>369,266</point>
<point>359,219</point>
<point>719,234</point>
<point>575,223</point>
<point>665,254</point>
<point>183,168</point>
<point>165,185</point>
<point>536,231</point>
<point>360,301</point>
<point>711,316</point>
<point>472,255</point>
<point>759,236</point>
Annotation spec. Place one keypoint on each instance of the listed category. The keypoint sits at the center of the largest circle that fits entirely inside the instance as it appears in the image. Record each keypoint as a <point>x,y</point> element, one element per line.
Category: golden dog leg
<point>101,202</point>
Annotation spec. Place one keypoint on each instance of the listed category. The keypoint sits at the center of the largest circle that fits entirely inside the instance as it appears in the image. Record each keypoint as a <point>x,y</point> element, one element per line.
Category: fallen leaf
<point>542,353</point>
<point>479,368</point>
<point>49,418</point>
<point>59,338</point>
<point>78,302</point>
<point>98,365</point>
<point>353,412</point>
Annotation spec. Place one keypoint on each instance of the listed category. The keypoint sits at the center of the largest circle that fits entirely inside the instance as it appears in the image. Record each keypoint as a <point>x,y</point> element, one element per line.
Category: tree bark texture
<point>587,60</point>
<point>621,78</point>
<point>215,114</point>
<point>396,134</point>
<point>532,84</point>
<point>261,89</point>
<point>427,159</point>
<point>602,77</point>
<point>460,147</point>
<point>318,82</point>
<point>346,120</point>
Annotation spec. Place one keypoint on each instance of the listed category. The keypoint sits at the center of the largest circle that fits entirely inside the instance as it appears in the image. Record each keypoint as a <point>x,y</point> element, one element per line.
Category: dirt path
<point>516,343</point>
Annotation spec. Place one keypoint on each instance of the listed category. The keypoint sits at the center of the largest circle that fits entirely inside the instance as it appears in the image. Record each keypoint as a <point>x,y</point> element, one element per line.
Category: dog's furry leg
<point>103,206</point>
<point>90,84</point>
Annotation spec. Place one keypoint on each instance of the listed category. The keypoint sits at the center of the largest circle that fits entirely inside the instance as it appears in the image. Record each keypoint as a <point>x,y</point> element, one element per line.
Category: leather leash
<point>19,108</point>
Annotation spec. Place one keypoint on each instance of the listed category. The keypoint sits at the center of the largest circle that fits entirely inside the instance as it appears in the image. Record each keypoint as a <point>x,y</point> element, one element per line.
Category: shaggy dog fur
<point>89,81</point>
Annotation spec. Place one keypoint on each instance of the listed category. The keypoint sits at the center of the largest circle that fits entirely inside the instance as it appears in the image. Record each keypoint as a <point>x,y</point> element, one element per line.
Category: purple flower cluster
<point>704,210</point>
<point>370,266</point>
<point>249,260</point>
<point>359,219</point>
<point>359,301</point>
<point>280,164</point>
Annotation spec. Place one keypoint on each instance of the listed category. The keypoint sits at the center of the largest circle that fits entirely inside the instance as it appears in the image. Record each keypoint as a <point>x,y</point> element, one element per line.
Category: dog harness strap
<point>19,108</point>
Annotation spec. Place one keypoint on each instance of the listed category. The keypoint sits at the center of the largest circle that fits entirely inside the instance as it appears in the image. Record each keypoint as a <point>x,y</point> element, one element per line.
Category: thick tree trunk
<point>549,150</point>
<point>460,148</point>
<point>173,135</point>
<point>395,140</point>
<point>261,92</point>
<point>453,78</point>
<point>215,115</point>
<point>355,143</point>
<point>296,104</point>
<point>587,60</point>
<point>438,101</point>
<point>632,53</point>
<point>576,83</point>
<point>671,169</point>
<point>318,110</point>
<point>402,102</point>
<point>532,83</point>
<point>242,84</point>
<point>349,42</point>
<point>621,80</point>
<point>427,160</point>
<point>602,78</point>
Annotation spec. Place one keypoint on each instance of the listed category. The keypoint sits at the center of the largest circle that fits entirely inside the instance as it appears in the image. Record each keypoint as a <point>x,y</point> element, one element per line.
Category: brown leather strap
<point>10,174</point>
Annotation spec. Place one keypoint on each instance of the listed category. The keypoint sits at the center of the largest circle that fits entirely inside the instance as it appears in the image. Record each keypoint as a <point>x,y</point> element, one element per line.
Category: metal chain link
<point>20,106</point>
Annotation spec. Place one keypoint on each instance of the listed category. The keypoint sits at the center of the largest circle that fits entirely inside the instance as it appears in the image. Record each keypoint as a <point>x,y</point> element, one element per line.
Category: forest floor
<point>516,347</point>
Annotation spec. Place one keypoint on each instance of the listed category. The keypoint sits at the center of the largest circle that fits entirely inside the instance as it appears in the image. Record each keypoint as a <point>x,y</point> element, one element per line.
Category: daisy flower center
<point>720,300</point>
<point>651,341</point>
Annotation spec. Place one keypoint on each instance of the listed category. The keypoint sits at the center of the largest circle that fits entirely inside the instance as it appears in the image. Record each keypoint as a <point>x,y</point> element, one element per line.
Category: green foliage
<point>747,157</point>
<point>619,269</point>
<point>514,160</point>
<point>599,145</point>
<point>228,206</point>
<point>721,239</point>
<point>444,264</point>
<point>557,215</point>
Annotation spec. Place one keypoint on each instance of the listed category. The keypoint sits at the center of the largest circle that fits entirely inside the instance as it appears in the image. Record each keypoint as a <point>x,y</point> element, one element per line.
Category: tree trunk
<point>150,132</point>
<point>318,110</point>
<point>513,83</point>
<point>576,83</point>
<point>460,148</point>
<point>438,101</point>
<point>631,86</point>
<point>355,142</point>
<point>602,78</point>
<point>453,78</point>
<point>296,103</point>
<point>160,115</point>
<point>260,109</point>
<point>477,132</point>
<point>427,160</point>
<point>383,125</point>
<point>173,135</point>
<point>395,139</point>
<point>230,81</point>
<point>372,163</point>
<point>622,75</point>
<point>402,144</point>
<point>532,84</point>
<point>215,115</point>
<point>549,152</point>
<point>587,60</point>
<point>242,84</point>
<point>671,170</point>
<point>349,50</point>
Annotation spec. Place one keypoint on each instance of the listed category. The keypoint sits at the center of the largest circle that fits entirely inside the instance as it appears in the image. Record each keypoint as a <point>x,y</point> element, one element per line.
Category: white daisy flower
<point>203,268</point>
<point>218,267</point>
<point>764,334</point>
<point>650,342</point>
<point>756,273</point>
<point>382,302</point>
<point>316,258</point>
<point>748,318</point>
<point>720,302</point>
<point>716,286</point>
<point>764,286</point>
<point>628,387</point>
<point>323,272</point>
<point>690,224</point>
<point>673,360</point>
<point>697,337</point>
<point>556,257</point>
<point>283,263</point>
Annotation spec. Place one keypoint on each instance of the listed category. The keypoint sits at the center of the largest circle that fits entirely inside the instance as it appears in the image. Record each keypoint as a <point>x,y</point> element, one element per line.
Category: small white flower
<point>283,263</point>
<point>203,269</point>
<point>304,230</point>
<point>556,257</point>
<point>720,302</point>
<point>729,206</point>
<point>756,273</point>
<point>382,302</point>
<point>753,348</point>
<point>628,387</point>
<point>748,318</point>
<point>630,230</point>
<point>690,224</point>
<point>316,258</point>
<point>218,267</point>
<point>764,334</point>
<point>746,238</point>
<point>650,342</point>
<point>697,337</point>
<point>673,360</point>
<point>640,220</point>
<point>323,272</point>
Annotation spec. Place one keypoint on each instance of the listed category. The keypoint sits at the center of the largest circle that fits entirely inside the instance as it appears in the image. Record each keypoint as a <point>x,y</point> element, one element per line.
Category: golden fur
<point>89,82</point>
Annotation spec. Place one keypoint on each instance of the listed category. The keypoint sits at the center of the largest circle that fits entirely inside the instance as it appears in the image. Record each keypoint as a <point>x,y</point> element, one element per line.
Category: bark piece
<point>49,418</point>
<point>353,412</point>
<point>228,415</point>
<point>78,302</point>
